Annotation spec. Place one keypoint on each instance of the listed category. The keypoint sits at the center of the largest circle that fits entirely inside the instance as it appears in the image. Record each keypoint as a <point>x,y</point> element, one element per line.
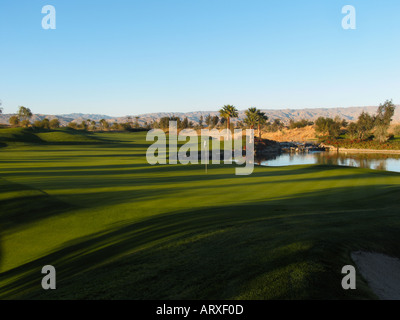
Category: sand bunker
<point>381,272</point>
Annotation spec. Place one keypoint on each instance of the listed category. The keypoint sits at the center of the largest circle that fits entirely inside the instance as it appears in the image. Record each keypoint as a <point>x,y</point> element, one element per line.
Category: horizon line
<point>186,112</point>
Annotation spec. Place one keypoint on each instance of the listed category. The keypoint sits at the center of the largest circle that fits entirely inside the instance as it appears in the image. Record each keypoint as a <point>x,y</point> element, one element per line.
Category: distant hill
<point>285,115</point>
<point>64,118</point>
<point>83,116</point>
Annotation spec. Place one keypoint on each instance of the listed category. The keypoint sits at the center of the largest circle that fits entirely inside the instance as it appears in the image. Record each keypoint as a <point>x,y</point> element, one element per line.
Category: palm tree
<point>228,112</point>
<point>251,117</point>
<point>261,119</point>
<point>255,117</point>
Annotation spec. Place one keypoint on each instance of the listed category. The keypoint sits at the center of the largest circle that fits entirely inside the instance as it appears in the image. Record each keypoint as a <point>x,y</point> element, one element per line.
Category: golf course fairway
<point>115,227</point>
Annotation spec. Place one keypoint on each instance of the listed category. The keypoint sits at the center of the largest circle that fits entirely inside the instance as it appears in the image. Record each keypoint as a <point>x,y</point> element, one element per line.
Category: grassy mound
<point>22,205</point>
<point>25,135</point>
<point>68,136</point>
<point>13,136</point>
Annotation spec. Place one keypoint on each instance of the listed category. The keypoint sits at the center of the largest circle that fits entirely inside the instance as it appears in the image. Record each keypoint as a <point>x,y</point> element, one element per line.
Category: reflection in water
<point>367,161</point>
<point>387,162</point>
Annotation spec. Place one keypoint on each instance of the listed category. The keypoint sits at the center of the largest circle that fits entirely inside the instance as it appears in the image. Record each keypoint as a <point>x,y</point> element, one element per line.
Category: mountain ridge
<point>285,115</point>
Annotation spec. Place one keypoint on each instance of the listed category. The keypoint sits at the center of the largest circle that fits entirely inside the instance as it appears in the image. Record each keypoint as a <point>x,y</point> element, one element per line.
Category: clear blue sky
<point>137,56</point>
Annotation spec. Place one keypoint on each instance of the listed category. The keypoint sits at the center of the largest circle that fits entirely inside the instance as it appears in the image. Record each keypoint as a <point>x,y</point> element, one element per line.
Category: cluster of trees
<point>22,118</point>
<point>208,122</point>
<point>211,122</point>
<point>163,123</point>
<point>89,125</point>
<point>84,125</point>
<point>274,126</point>
<point>363,128</point>
<point>329,126</point>
<point>104,125</point>
<point>299,124</point>
<point>254,119</point>
<point>47,124</point>
<point>132,124</point>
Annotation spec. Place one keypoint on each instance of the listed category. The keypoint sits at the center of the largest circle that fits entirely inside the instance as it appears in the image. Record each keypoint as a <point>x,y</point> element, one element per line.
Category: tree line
<point>254,118</point>
<point>23,119</point>
<point>367,126</point>
<point>23,116</point>
<point>104,125</point>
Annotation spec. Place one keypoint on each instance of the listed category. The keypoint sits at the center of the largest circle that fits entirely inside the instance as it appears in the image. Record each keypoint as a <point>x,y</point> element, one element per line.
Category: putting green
<point>115,227</point>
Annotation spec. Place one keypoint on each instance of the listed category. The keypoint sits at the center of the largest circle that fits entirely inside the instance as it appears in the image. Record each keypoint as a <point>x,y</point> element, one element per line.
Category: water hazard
<point>387,162</point>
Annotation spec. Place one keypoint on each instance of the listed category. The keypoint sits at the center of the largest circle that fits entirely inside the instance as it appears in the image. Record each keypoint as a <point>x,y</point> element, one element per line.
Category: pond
<point>387,162</point>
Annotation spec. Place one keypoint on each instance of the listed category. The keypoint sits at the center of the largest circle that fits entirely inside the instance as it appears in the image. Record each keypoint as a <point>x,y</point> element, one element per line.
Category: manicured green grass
<point>21,135</point>
<point>28,136</point>
<point>117,228</point>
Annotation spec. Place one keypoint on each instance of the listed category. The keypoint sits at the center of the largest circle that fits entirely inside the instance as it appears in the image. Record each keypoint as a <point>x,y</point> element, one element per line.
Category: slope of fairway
<point>21,205</point>
<point>27,136</point>
<point>68,136</point>
<point>116,227</point>
<point>13,135</point>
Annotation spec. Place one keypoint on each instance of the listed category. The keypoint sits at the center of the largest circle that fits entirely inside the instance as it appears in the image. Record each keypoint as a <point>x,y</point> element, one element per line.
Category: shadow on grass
<point>172,171</point>
<point>283,249</point>
<point>147,175</point>
<point>27,205</point>
<point>36,136</point>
